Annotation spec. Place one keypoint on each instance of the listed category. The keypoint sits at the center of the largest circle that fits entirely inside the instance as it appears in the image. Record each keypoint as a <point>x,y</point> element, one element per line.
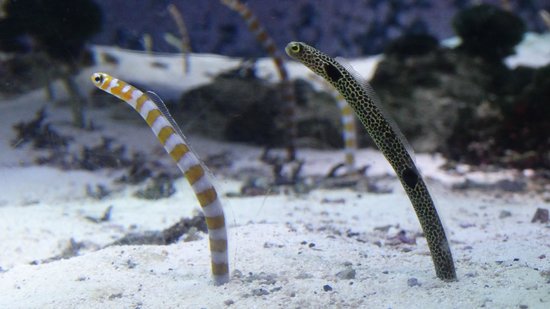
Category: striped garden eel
<point>168,133</point>
<point>347,118</point>
<point>184,35</point>
<point>348,131</point>
<point>389,140</point>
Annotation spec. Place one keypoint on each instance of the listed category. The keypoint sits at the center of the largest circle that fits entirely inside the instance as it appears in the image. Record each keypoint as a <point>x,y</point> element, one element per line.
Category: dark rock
<point>401,238</point>
<point>412,45</point>
<point>511,185</point>
<point>488,31</point>
<point>26,72</point>
<point>247,109</point>
<point>541,215</point>
<point>327,288</point>
<point>256,186</point>
<point>131,264</point>
<point>71,250</point>
<point>346,274</point>
<point>471,107</point>
<point>427,94</point>
<point>137,172</point>
<point>104,155</point>
<point>115,296</point>
<point>99,192</point>
<point>525,124</point>
<point>262,278</point>
<point>165,237</point>
<point>504,214</point>
<point>229,302</point>
<point>304,276</point>
<point>104,218</point>
<point>161,186</point>
<point>260,292</point>
<point>58,27</point>
<point>235,108</point>
<point>40,133</point>
<point>413,282</point>
<point>501,185</point>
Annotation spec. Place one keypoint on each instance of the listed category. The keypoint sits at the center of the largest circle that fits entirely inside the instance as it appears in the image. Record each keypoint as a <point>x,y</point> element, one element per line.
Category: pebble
<point>504,214</point>
<point>229,302</point>
<point>541,215</point>
<point>346,274</point>
<point>260,292</point>
<point>413,282</point>
<point>327,288</point>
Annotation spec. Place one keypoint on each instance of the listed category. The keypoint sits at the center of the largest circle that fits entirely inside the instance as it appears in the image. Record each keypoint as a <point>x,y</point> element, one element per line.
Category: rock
<point>235,108</point>
<point>413,282</point>
<point>260,292</point>
<point>511,185</point>
<point>412,45</point>
<point>244,108</point>
<point>327,288</point>
<point>504,214</point>
<point>488,31</point>
<point>427,93</point>
<point>541,215</point>
<point>159,187</point>
<point>229,302</point>
<point>346,274</point>
<point>465,102</point>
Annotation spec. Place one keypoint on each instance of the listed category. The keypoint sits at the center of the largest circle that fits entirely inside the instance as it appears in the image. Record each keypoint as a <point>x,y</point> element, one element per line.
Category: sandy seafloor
<point>286,249</point>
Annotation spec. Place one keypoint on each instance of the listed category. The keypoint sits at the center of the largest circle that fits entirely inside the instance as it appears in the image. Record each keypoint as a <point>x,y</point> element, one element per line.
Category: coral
<point>39,133</point>
<point>525,124</point>
<point>57,26</point>
<point>471,109</point>
<point>412,45</point>
<point>488,32</point>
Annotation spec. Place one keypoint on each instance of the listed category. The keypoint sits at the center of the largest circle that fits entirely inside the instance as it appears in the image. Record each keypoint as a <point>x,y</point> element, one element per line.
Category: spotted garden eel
<point>168,133</point>
<point>389,140</point>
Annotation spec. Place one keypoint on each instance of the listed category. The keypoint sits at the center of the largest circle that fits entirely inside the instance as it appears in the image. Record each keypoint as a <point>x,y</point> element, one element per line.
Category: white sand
<point>284,248</point>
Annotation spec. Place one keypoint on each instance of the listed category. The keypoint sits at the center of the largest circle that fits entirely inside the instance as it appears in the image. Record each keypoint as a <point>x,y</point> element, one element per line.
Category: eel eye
<point>295,48</point>
<point>98,78</point>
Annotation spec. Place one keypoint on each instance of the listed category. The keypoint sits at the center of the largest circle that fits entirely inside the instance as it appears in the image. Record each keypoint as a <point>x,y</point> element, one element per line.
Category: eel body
<point>391,143</point>
<point>153,110</point>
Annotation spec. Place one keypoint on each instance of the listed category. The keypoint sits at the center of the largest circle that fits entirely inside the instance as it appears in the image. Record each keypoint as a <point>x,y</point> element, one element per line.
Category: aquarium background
<point>95,213</point>
<point>348,28</point>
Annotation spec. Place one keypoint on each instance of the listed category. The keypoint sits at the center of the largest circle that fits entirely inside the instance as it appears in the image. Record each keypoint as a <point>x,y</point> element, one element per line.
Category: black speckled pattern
<point>391,146</point>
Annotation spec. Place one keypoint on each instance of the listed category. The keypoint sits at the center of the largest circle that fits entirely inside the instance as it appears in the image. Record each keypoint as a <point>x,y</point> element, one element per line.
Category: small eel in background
<point>349,128</point>
<point>289,100</point>
<point>155,113</point>
<point>390,141</point>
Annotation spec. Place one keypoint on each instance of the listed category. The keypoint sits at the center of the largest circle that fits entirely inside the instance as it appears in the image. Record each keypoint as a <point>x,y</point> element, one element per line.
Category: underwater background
<point>347,28</point>
<point>165,154</point>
